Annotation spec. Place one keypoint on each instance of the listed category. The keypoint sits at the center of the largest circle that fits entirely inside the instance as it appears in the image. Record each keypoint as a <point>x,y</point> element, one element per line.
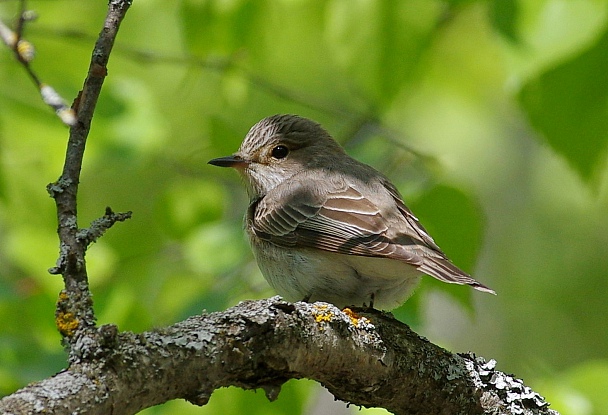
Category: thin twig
<point>24,54</point>
<point>360,122</point>
<point>99,226</point>
<point>216,64</point>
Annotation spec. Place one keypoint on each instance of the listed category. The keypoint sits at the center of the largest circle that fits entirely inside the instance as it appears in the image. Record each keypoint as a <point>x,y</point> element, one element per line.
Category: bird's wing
<point>413,226</point>
<point>342,220</point>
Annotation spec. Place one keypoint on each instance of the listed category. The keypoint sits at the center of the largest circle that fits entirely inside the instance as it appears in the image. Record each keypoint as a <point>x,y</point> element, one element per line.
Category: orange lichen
<point>63,296</point>
<point>66,323</point>
<point>355,319</point>
<point>321,313</point>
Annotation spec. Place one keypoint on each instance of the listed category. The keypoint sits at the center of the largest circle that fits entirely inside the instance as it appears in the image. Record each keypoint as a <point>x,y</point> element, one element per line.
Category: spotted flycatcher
<point>324,226</point>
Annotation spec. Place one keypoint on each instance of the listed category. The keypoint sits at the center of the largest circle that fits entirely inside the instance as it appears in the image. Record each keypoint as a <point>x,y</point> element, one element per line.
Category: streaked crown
<point>293,131</point>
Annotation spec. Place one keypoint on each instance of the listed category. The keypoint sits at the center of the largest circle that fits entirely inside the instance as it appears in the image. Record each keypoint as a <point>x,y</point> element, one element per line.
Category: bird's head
<point>278,147</point>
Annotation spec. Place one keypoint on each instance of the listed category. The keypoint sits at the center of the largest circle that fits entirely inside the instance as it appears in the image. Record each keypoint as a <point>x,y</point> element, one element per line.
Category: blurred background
<point>490,116</point>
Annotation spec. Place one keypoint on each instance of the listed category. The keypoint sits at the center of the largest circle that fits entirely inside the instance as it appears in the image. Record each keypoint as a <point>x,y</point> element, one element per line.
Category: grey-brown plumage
<point>324,226</point>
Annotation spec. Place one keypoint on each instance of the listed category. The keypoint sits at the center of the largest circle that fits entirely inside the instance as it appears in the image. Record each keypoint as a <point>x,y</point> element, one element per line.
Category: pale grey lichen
<point>519,398</point>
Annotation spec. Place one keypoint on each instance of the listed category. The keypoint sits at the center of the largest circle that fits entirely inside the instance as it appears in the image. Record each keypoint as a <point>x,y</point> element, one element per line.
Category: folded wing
<point>344,221</point>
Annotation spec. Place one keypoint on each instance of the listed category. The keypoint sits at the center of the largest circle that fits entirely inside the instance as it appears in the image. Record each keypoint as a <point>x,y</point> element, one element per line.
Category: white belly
<point>339,279</point>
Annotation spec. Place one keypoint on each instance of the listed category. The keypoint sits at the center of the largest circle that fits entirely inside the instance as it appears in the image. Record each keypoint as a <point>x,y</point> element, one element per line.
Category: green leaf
<point>568,105</point>
<point>383,53</point>
<point>503,15</point>
<point>580,390</point>
<point>454,220</point>
<point>218,27</point>
<point>2,180</point>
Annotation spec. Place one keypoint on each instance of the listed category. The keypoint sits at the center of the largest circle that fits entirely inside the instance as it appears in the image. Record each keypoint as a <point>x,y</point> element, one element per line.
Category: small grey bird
<point>324,226</point>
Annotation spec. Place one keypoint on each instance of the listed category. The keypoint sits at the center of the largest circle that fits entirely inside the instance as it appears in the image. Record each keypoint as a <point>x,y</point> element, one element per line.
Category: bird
<point>325,227</point>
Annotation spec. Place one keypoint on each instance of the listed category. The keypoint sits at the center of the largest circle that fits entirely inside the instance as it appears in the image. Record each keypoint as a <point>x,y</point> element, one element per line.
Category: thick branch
<point>367,359</point>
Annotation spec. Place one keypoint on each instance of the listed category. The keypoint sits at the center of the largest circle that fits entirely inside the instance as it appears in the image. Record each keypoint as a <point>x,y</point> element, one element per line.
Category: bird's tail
<point>445,271</point>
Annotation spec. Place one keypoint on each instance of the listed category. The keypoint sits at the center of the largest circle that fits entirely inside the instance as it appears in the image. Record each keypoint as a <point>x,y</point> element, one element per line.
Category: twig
<point>362,124</point>
<point>24,53</point>
<point>219,65</point>
<point>75,306</point>
<point>99,226</point>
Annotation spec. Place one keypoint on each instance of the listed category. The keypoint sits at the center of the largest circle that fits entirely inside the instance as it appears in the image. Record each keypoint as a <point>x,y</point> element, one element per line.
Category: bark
<point>75,306</point>
<point>365,357</point>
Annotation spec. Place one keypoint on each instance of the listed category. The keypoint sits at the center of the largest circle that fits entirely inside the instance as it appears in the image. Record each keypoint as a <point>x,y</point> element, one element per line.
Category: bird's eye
<point>280,152</point>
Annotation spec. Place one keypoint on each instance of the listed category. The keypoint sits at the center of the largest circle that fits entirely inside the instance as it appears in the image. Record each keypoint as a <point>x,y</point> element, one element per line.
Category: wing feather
<point>342,220</point>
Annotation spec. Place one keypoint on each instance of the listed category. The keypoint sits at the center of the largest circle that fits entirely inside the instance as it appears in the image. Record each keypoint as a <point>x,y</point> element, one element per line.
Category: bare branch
<point>366,358</point>
<point>75,305</point>
<point>24,53</point>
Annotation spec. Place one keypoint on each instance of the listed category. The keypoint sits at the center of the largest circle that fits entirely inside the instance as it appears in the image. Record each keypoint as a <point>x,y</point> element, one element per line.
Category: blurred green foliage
<point>490,116</point>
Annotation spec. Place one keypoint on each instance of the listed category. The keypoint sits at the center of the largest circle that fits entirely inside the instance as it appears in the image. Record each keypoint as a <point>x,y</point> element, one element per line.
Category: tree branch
<point>367,358</point>
<point>24,54</point>
<point>74,315</point>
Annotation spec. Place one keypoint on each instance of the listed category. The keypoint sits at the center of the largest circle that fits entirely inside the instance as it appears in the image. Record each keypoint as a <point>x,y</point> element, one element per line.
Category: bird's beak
<point>229,161</point>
